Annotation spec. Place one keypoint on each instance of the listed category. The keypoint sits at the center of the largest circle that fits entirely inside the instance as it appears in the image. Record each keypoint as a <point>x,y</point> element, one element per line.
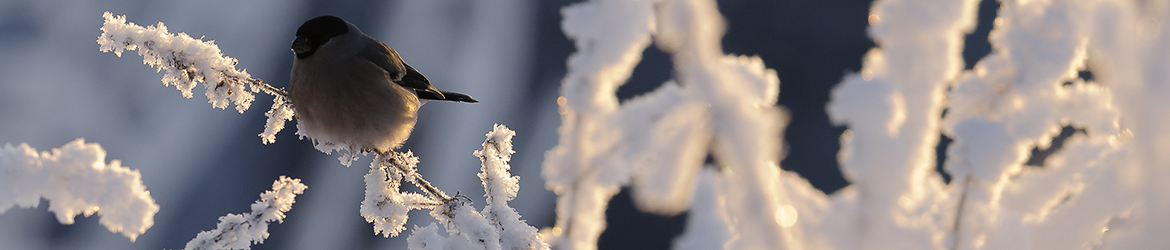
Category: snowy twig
<point>959,213</point>
<point>498,226</point>
<point>76,180</point>
<point>407,163</point>
<point>240,231</point>
<point>499,187</point>
<point>188,62</point>
<point>385,205</point>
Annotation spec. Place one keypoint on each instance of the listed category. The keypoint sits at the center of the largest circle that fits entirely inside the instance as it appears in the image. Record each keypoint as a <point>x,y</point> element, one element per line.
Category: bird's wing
<point>420,84</point>
<point>388,59</point>
<point>385,57</point>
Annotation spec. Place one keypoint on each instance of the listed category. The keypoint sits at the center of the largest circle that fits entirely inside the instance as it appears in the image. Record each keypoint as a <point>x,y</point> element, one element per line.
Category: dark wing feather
<point>422,87</point>
<point>401,73</point>
<point>458,97</point>
<point>447,96</point>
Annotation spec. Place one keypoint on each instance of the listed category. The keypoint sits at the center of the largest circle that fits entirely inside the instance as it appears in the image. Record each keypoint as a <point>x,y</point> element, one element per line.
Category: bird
<point>349,89</point>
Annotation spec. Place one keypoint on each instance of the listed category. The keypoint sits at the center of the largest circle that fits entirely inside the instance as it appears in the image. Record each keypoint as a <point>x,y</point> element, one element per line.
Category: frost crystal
<point>188,61</point>
<point>241,231</point>
<point>497,226</point>
<point>385,205</point>
<point>76,180</point>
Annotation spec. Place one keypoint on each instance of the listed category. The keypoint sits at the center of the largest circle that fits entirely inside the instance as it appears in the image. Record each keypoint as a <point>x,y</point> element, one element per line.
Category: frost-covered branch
<point>498,226</point>
<point>76,180</point>
<point>188,61</point>
<point>720,104</point>
<point>385,205</point>
<point>1015,99</point>
<point>499,187</point>
<point>241,231</point>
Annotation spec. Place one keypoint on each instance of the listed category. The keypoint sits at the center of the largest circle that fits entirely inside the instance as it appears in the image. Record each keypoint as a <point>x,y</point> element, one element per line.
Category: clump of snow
<point>76,180</point>
<point>723,105</point>
<point>188,62</point>
<point>280,113</point>
<point>498,226</point>
<point>500,187</point>
<point>1015,99</point>
<point>385,205</point>
<point>610,37</point>
<point>241,231</point>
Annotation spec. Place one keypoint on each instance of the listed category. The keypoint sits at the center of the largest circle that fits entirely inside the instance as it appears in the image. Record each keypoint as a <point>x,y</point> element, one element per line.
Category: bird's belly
<point>366,112</point>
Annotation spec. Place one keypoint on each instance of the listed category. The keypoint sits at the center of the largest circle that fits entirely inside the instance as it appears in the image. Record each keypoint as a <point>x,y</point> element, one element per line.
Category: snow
<point>607,50</point>
<point>241,231</point>
<point>707,142</point>
<point>188,62</point>
<point>385,205</point>
<point>659,141</point>
<point>76,179</point>
<point>500,187</point>
<point>498,226</point>
<point>1017,98</point>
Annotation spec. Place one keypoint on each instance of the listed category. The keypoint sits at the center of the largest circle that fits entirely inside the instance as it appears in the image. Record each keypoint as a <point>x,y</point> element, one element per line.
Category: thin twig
<point>398,160</point>
<point>959,212</point>
<point>257,83</point>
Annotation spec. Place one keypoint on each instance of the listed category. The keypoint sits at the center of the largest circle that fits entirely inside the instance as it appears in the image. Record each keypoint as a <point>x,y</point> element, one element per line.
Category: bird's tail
<point>448,96</point>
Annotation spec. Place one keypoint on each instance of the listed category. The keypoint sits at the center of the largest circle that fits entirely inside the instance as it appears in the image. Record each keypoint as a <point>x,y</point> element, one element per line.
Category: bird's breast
<point>352,102</point>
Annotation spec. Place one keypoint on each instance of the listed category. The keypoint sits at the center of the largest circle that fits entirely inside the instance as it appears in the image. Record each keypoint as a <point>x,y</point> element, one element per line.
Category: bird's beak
<point>301,45</point>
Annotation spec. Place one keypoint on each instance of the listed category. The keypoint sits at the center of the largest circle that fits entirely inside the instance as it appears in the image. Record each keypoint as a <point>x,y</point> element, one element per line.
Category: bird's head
<point>316,32</point>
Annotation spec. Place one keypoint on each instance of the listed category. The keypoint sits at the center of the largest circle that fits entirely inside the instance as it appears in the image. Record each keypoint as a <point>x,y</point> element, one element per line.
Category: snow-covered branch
<point>1014,100</point>
<point>76,180</point>
<point>498,226</point>
<point>385,205</point>
<point>657,143</point>
<point>188,62</point>
<point>499,187</point>
<point>241,231</point>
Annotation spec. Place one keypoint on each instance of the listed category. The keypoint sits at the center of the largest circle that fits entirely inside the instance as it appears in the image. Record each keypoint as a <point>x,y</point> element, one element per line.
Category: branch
<point>188,61</point>
<point>241,231</point>
<point>76,180</point>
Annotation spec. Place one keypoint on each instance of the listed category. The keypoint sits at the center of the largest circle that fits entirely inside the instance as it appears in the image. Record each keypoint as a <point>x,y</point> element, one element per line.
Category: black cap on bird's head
<point>315,32</point>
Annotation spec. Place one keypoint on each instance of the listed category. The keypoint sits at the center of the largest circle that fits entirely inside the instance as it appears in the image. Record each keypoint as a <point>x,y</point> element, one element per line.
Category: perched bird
<point>349,89</point>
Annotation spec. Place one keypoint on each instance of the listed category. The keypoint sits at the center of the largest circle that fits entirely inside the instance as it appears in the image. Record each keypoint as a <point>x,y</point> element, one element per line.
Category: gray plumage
<point>350,89</point>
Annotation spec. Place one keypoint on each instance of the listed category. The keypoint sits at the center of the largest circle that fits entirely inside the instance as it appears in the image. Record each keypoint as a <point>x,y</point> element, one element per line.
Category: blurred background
<point>200,163</point>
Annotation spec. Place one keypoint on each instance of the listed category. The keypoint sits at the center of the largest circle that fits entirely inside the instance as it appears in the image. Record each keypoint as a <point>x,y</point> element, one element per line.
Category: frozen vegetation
<point>188,61</point>
<point>76,179</point>
<point>1101,191</point>
<point>241,231</point>
<point>708,142</point>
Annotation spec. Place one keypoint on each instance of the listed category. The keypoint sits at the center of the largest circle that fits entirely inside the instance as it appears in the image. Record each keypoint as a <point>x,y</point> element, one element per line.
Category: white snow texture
<point>1102,190</point>
<point>188,62</point>
<point>76,180</point>
<point>497,226</point>
<point>241,231</point>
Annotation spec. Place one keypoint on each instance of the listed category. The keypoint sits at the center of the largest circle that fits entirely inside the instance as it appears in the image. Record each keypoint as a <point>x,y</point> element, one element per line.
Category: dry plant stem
<point>395,159</point>
<point>959,213</point>
<point>257,83</point>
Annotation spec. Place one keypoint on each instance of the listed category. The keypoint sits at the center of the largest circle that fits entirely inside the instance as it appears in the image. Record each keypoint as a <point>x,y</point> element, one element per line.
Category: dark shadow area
<point>1084,75</point>
<point>975,44</point>
<point>1039,155</point>
<point>627,228</point>
<point>810,44</point>
<point>940,154</point>
<point>654,69</point>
